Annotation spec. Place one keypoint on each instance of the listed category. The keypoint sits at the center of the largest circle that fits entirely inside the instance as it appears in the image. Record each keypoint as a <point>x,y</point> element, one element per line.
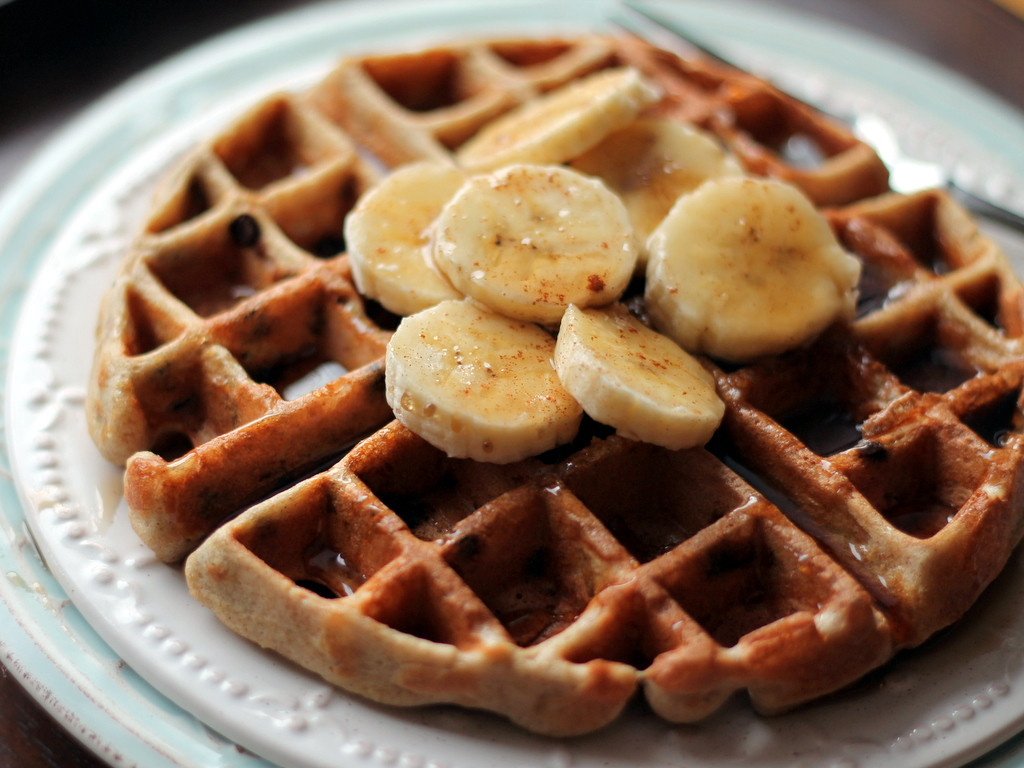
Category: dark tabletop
<point>56,57</point>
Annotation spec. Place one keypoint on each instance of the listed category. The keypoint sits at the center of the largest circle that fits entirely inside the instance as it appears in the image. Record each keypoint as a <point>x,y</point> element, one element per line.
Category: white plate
<point>63,228</point>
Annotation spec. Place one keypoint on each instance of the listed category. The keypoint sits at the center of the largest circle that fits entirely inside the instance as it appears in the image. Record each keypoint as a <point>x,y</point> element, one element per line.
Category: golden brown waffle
<point>547,593</point>
<point>234,290</point>
<point>860,495</point>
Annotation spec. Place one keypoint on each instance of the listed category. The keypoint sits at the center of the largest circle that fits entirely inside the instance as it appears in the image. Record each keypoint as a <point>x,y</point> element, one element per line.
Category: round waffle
<point>859,496</point>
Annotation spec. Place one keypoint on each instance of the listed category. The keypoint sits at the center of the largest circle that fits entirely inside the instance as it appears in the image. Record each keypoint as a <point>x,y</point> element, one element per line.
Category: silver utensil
<point>906,174</point>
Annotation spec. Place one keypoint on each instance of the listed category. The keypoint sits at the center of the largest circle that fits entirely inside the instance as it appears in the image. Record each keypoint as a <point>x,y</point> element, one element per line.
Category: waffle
<point>859,496</point>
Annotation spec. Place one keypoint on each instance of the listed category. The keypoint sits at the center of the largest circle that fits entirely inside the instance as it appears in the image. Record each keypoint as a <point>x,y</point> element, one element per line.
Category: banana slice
<point>478,385</point>
<point>634,379</point>
<point>747,267</point>
<point>650,163</point>
<point>389,237</point>
<point>528,240</point>
<point>563,124</point>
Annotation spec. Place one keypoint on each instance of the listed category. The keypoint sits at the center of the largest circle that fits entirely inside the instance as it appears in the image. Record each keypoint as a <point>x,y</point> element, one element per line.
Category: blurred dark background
<point>54,50</point>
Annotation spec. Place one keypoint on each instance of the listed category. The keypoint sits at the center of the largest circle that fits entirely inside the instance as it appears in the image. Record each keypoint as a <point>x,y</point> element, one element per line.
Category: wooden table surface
<point>981,39</point>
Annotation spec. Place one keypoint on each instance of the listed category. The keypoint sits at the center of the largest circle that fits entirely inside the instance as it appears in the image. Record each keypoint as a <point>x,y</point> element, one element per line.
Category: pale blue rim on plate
<point>44,641</point>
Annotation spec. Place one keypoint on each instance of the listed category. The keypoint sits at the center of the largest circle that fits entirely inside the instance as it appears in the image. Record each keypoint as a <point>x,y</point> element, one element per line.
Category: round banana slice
<point>632,378</point>
<point>528,240</point>
<point>742,268</point>
<point>562,124</point>
<point>650,163</point>
<point>389,237</point>
<point>478,385</point>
